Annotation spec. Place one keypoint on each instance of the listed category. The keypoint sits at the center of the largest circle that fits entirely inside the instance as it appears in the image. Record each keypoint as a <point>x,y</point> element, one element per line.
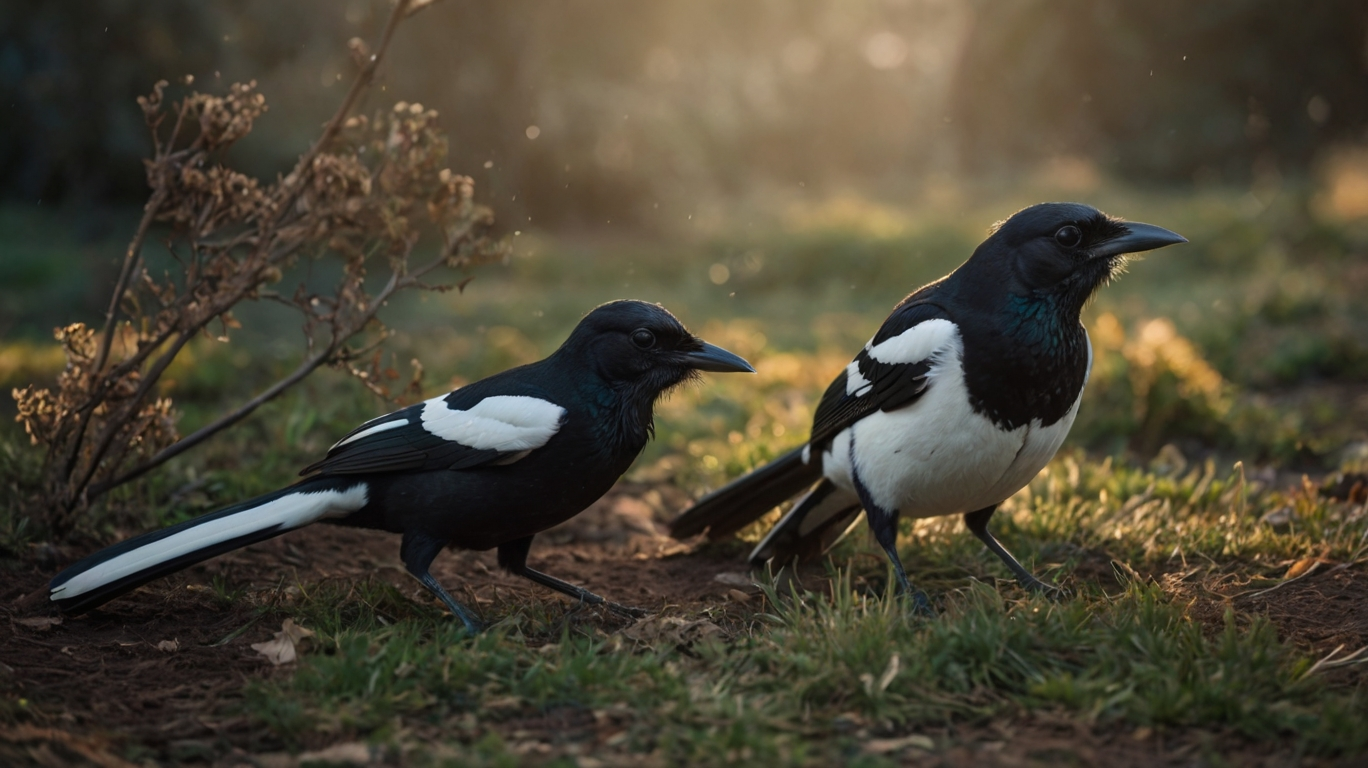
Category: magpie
<point>965,393</point>
<point>486,466</point>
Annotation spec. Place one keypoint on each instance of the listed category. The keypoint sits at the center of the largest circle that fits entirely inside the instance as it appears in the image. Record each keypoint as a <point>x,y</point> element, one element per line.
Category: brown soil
<point>150,674</point>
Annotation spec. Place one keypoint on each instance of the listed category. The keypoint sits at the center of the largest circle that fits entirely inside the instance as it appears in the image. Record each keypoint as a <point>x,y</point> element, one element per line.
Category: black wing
<point>886,386</point>
<point>402,441</point>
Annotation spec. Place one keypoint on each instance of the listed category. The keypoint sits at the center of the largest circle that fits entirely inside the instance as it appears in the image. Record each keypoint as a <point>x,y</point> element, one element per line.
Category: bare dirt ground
<point>156,669</point>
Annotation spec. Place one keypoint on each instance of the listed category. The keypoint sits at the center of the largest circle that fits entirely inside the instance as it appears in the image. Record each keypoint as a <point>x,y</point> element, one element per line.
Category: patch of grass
<point>1133,657</point>
<point>815,678</point>
<point>1246,345</point>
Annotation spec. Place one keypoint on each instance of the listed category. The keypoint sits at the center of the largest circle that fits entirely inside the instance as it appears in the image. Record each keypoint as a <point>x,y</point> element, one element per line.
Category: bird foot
<point>1048,591</point>
<point>626,610</point>
<point>921,604</point>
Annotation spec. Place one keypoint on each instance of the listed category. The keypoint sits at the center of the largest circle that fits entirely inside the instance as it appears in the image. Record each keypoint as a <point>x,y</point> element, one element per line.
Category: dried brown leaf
<point>1305,566</point>
<point>670,630</point>
<point>40,623</point>
<point>283,648</point>
<point>887,746</point>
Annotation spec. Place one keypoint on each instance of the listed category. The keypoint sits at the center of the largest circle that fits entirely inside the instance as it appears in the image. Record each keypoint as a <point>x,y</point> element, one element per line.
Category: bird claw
<point>626,610</point>
<point>1048,591</point>
<point>921,605</point>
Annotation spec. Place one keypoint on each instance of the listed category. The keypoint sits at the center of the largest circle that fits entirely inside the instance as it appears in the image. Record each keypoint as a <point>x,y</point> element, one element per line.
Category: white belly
<point>937,456</point>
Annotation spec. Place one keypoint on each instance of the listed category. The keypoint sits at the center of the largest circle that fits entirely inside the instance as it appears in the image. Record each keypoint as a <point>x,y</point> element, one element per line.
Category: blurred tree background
<point>633,112</point>
<point>799,164</point>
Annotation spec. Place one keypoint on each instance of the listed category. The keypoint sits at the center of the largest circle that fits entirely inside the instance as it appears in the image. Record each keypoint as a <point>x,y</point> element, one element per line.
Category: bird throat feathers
<point>1086,281</point>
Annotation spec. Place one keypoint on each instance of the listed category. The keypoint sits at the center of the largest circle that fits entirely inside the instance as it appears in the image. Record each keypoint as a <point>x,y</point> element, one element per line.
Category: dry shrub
<point>1156,386</point>
<point>368,191</point>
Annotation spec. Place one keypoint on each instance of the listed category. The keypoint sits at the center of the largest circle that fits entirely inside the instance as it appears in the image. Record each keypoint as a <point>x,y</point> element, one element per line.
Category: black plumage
<point>963,394</point>
<point>488,465</point>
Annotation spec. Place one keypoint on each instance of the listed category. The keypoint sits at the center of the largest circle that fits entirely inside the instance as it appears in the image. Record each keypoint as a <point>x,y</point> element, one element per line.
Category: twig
<point>302,168</point>
<point>295,180</point>
<point>309,365</point>
<point>1314,569</point>
<point>396,282</point>
<point>241,237</point>
<point>79,489</point>
<point>131,257</point>
<point>219,424</point>
<point>1330,662</point>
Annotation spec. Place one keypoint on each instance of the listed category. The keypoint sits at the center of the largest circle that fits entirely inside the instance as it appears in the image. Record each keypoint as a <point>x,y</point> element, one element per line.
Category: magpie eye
<point>1068,236</point>
<point>643,338</point>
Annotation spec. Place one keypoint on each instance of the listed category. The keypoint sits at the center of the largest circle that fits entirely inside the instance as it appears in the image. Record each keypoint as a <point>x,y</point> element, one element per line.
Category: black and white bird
<point>488,465</point>
<point>963,395</point>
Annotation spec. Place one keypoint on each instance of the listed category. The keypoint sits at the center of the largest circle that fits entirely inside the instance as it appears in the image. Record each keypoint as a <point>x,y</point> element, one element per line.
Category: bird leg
<point>418,550</point>
<point>978,523</point>
<point>884,524</point>
<point>513,558</point>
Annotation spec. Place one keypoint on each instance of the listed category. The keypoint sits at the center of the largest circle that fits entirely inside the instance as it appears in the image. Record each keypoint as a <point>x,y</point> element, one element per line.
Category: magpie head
<point>641,346</point>
<point>1066,250</point>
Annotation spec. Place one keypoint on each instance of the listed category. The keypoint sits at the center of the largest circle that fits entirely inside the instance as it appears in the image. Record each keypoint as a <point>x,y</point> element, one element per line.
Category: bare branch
<point>362,81</point>
<point>309,365</point>
<point>223,422</point>
<point>359,196</point>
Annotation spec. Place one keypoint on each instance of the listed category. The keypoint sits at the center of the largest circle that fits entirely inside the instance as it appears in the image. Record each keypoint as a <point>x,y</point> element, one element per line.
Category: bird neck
<point>1044,322</point>
<point>623,415</point>
<point>1028,363</point>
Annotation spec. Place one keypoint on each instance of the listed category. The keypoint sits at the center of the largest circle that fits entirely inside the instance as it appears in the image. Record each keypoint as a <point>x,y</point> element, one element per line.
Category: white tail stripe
<point>292,511</point>
<point>367,432</point>
<point>500,423</point>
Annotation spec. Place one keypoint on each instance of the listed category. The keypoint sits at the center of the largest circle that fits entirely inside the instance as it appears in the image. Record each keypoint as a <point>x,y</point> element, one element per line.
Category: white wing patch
<point>916,343</point>
<point>506,423</point>
<point>856,383</point>
<point>292,511</point>
<point>368,432</point>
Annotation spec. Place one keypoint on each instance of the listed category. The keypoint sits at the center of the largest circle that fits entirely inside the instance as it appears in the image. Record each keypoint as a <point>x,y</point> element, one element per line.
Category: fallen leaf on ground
<point>36,741</point>
<point>731,579</point>
<point>283,648</point>
<point>636,515</point>
<point>40,622</point>
<point>885,746</point>
<point>670,629</point>
<point>502,702</point>
<point>1304,566</point>
<point>349,753</point>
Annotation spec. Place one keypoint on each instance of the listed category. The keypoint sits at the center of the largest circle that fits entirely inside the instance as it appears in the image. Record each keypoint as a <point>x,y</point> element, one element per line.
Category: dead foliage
<point>369,191</point>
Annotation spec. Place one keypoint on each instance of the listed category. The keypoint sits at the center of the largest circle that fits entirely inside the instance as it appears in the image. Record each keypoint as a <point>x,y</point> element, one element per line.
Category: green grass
<point>1250,344</point>
<point>812,677</point>
<point>815,677</point>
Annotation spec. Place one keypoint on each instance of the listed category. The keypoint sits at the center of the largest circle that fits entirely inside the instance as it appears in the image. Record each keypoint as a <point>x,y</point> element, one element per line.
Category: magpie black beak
<point>716,359</point>
<point>1138,238</point>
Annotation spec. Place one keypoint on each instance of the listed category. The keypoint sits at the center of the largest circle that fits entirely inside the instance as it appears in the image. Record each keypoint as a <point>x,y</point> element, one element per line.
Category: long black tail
<point>742,501</point>
<point>112,571</point>
<point>813,526</point>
